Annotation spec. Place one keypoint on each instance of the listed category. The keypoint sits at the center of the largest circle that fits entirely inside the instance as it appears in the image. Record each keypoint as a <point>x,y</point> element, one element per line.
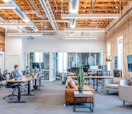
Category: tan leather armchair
<point>69,95</point>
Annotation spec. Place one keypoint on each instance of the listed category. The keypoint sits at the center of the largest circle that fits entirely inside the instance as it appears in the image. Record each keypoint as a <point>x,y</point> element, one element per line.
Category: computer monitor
<point>85,69</point>
<point>73,69</point>
<point>35,65</point>
<point>117,73</point>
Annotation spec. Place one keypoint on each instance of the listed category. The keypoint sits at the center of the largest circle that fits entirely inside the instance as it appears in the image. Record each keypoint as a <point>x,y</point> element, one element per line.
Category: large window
<point>120,53</point>
<point>62,62</point>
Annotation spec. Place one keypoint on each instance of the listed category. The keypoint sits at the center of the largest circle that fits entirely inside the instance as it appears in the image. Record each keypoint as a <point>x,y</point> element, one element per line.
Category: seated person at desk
<point>27,71</point>
<point>16,73</point>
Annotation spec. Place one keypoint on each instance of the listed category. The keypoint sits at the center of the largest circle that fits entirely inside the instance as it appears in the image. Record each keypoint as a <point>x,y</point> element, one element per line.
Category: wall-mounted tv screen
<point>129,62</point>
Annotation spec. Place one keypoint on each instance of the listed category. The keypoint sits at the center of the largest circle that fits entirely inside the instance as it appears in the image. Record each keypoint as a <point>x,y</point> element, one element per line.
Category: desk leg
<point>97,84</point>
<point>74,108</point>
<point>19,97</point>
<point>39,83</point>
<point>35,85</point>
<point>93,83</point>
<point>29,89</point>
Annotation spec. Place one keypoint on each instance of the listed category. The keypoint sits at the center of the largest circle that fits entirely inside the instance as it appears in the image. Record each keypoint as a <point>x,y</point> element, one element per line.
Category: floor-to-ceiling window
<point>120,53</point>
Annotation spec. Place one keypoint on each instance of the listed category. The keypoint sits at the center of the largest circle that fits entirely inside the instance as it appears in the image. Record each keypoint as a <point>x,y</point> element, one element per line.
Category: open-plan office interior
<point>65,56</point>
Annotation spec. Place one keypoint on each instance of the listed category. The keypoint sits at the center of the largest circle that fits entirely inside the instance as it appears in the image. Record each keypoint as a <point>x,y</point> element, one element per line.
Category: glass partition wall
<point>39,61</point>
<point>54,65</point>
<point>67,62</point>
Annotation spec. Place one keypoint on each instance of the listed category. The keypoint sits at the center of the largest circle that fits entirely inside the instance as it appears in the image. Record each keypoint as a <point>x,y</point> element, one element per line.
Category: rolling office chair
<point>12,86</point>
<point>101,81</point>
<point>105,73</point>
<point>100,73</point>
<point>3,77</point>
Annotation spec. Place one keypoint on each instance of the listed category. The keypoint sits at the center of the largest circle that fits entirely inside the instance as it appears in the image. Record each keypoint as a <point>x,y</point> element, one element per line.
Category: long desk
<point>85,74</point>
<point>95,79</point>
<point>25,79</point>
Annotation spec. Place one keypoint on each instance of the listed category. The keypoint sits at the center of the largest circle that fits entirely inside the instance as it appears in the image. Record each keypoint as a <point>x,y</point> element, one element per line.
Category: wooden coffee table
<point>84,94</point>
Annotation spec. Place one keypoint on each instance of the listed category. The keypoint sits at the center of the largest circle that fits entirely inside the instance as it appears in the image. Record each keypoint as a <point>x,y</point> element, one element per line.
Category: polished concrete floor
<point>50,100</point>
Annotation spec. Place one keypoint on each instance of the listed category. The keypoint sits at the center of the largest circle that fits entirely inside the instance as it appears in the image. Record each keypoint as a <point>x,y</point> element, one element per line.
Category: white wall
<point>24,52</point>
<point>13,47</point>
<point>51,44</point>
<point>2,61</point>
<point>16,46</point>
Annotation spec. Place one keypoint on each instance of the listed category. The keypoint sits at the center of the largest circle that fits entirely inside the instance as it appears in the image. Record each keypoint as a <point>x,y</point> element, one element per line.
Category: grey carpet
<point>50,100</point>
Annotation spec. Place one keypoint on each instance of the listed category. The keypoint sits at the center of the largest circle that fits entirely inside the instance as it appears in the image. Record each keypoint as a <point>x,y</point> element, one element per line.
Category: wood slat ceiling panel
<point>35,11</point>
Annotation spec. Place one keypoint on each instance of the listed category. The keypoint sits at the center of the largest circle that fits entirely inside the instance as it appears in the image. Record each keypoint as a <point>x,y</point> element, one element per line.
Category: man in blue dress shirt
<point>16,73</point>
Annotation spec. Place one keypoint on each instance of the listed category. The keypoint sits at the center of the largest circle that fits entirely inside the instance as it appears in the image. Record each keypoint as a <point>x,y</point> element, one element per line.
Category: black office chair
<point>10,85</point>
<point>99,73</point>
<point>1,79</point>
<point>101,81</point>
<point>104,73</point>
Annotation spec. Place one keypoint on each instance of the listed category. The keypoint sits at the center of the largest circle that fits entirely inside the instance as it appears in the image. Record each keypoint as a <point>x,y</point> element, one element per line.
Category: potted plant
<point>80,78</point>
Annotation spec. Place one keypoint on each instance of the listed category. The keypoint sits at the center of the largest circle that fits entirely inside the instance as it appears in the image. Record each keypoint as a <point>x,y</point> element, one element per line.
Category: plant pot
<point>80,89</point>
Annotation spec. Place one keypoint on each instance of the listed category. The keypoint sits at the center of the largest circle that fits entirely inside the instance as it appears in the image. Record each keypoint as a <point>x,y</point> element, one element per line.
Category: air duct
<point>48,11</point>
<point>73,9</point>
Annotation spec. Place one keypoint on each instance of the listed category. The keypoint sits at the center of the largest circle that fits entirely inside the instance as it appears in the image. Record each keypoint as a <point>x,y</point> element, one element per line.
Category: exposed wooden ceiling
<point>36,13</point>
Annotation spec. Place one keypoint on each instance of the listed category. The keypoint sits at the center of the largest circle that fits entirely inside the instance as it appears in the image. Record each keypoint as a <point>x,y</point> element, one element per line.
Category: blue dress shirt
<point>16,74</point>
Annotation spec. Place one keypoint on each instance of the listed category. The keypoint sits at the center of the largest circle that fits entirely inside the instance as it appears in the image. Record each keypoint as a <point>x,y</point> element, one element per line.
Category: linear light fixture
<point>5,25</point>
<point>73,9</point>
<point>81,38</point>
<point>77,16</point>
<point>21,13</point>
<point>74,6</point>
<point>84,30</point>
<point>24,34</point>
<point>7,6</point>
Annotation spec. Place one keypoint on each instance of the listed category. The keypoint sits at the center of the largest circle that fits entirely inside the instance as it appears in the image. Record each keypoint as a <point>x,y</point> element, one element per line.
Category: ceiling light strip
<point>77,16</point>
<point>24,34</point>
<point>7,6</point>
<point>84,30</point>
<point>81,38</point>
<point>15,25</point>
<point>73,9</point>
